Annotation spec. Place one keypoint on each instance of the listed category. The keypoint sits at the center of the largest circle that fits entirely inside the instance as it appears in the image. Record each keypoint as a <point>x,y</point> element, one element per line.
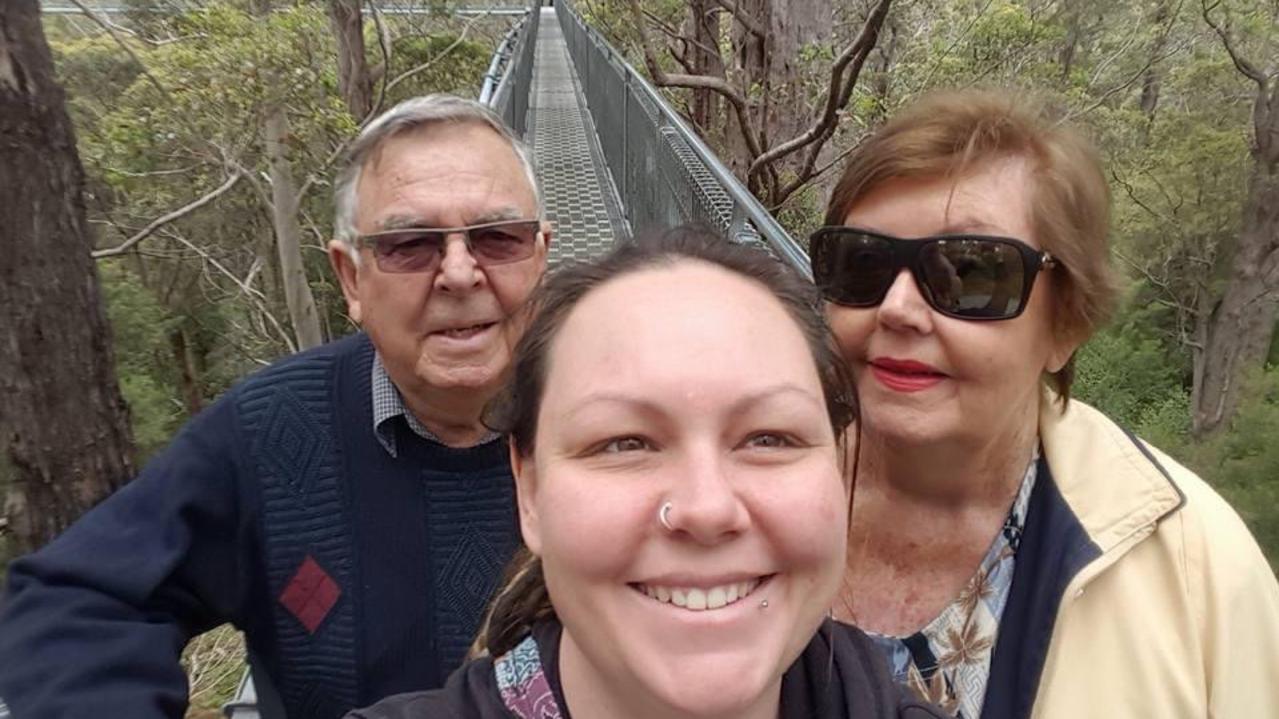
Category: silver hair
<point>414,114</point>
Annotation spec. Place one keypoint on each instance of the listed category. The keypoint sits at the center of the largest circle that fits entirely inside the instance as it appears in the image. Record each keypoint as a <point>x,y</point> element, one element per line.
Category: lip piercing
<point>664,517</point>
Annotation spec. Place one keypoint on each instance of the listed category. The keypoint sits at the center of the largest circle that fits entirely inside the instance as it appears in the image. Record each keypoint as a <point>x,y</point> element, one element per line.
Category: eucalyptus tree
<point>64,425</point>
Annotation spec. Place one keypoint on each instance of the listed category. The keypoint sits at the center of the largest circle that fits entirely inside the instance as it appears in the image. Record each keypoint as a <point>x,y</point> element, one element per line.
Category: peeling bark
<point>64,426</point>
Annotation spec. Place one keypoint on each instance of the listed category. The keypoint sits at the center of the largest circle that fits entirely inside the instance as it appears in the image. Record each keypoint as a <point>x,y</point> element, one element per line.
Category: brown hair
<point>523,600</point>
<point>951,133</point>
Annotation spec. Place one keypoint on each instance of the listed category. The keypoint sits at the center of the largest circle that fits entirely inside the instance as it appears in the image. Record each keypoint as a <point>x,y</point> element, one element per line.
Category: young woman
<point>675,421</point>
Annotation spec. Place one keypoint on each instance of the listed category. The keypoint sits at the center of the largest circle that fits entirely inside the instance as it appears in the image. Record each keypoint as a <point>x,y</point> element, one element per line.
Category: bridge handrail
<point>56,7</point>
<point>747,216</point>
<point>509,79</point>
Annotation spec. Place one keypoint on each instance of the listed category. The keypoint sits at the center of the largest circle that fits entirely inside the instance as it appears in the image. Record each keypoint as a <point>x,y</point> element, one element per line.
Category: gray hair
<point>413,114</point>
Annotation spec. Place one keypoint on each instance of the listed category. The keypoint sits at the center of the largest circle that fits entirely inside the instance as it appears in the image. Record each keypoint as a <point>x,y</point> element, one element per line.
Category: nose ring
<point>664,517</point>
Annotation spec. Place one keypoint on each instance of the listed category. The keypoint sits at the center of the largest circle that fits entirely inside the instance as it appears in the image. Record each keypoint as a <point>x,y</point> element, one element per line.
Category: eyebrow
<point>497,215</point>
<point>648,406</point>
<point>404,222</point>
<point>972,225</point>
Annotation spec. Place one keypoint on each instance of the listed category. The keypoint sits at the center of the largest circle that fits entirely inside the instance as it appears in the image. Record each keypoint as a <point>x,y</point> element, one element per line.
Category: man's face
<point>454,327</point>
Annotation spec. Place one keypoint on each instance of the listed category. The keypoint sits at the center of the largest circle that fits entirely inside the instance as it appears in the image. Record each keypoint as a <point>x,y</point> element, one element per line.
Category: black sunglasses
<point>419,249</point>
<point>970,277</point>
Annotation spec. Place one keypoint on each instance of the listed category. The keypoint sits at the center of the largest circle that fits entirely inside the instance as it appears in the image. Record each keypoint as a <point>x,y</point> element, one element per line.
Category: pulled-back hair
<point>949,134</point>
<point>523,599</point>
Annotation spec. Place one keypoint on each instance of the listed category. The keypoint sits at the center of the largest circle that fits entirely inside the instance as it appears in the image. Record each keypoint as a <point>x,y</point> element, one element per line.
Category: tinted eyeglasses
<point>970,277</point>
<point>419,249</point>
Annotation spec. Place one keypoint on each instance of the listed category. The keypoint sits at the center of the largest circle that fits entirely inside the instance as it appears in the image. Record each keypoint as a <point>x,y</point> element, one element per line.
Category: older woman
<point>1014,552</point>
<point>676,421</point>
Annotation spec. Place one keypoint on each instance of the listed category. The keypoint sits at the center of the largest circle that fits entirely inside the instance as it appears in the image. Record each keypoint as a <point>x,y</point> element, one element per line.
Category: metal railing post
<point>626,147</point>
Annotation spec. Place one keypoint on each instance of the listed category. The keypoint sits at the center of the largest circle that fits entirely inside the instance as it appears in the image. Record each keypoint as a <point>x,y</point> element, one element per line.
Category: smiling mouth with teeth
<point>464,332</point>
<point>701,598</point>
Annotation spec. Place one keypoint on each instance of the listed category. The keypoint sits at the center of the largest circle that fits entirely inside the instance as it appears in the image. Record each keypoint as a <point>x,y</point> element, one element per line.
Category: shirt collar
<point>388,404</point>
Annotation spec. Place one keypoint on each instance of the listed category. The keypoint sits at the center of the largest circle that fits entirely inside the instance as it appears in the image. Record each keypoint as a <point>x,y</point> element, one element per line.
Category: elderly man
<point>345,507</point>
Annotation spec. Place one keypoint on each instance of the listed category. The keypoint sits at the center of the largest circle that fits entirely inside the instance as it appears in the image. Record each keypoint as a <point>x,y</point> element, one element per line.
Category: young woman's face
<point>693,386</point>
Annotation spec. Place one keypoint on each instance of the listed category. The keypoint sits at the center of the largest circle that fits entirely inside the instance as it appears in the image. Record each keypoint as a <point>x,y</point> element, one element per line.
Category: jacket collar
<point>1110,480</point>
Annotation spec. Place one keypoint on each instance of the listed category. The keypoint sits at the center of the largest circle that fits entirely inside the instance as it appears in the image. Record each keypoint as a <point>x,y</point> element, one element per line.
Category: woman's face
<point>693,386</point>
<point>923,377</point>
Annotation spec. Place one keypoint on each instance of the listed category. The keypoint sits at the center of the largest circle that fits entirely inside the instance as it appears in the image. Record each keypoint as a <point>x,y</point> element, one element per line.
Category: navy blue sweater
<point>353,574</point>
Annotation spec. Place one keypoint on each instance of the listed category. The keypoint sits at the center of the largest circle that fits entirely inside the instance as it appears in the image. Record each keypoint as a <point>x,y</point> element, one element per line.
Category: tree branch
<point>1132,79</point>
<point>751,24</point>
<point>841,87</point>
<point>254,296</point>
<point>718,85</point>
<point>1241,63</point>
<point>166,219</point>
<point>443,54</point>
<point>386,87</point>
<point>111,30</point>
<point>800,182</point>
<point>384,43</point>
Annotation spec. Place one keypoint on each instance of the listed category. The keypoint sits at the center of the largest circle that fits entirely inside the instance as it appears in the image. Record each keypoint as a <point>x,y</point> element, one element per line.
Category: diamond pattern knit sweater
<point>354,574</point>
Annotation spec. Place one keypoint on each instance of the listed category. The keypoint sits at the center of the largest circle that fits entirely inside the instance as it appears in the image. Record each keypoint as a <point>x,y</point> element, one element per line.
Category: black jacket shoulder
<point>470,693</point>
<point>840,675</point>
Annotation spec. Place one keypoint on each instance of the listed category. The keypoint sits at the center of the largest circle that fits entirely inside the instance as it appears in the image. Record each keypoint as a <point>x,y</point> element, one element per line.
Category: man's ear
<point>343,258</point>
<point>547,233</point>
<point>544,251</point>
<point>525,473</point>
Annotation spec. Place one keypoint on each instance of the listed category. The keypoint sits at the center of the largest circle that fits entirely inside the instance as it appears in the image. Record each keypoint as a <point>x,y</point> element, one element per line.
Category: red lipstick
<point>905,375</point>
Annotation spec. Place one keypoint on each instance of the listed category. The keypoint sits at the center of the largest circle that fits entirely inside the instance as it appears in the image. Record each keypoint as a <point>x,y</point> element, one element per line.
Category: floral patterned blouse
<point>948,661</point>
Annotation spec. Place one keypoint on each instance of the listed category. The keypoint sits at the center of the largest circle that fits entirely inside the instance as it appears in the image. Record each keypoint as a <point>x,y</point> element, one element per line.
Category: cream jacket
<point>1174,612</point>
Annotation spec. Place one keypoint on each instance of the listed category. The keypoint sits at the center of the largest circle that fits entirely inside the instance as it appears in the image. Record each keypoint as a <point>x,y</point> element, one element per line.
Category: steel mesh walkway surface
<point>580,199</point>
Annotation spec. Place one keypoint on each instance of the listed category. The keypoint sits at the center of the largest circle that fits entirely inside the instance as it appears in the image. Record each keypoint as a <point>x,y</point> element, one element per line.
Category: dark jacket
<point>840,674</point>
<point>354,574</point>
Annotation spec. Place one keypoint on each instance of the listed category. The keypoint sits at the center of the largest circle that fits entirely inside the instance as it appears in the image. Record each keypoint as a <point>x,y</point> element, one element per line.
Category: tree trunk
<point>354,81</point>
<point>288,233</point>
<point>188,371</point>
<point>881,82</point>
<point>1243,323</point>
<point>749,73</point>
<point>770,70</point>
<point>1070,44</point>
<point>1152,78</point>
<point>64,426</point>
<point>703,21</point>
<point>793,24</point>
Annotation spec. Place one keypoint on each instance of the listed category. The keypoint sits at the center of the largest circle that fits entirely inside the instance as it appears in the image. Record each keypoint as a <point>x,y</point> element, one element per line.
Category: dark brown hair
<point>523,600</point>
<point>949,134</point>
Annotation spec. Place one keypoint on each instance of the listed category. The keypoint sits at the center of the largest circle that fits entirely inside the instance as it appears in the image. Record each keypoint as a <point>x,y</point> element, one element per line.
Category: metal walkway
<point>580,199</point>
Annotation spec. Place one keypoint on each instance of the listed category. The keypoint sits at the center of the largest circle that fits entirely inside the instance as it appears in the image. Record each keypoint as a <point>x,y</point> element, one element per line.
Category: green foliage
<point>1243,464</point>
<point>455,72</point>
<point>140,334</point>
<point>1127,372</point>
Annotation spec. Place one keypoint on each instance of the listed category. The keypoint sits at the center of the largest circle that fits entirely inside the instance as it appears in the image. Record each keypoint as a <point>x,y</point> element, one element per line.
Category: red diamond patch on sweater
<point>310,594</point>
